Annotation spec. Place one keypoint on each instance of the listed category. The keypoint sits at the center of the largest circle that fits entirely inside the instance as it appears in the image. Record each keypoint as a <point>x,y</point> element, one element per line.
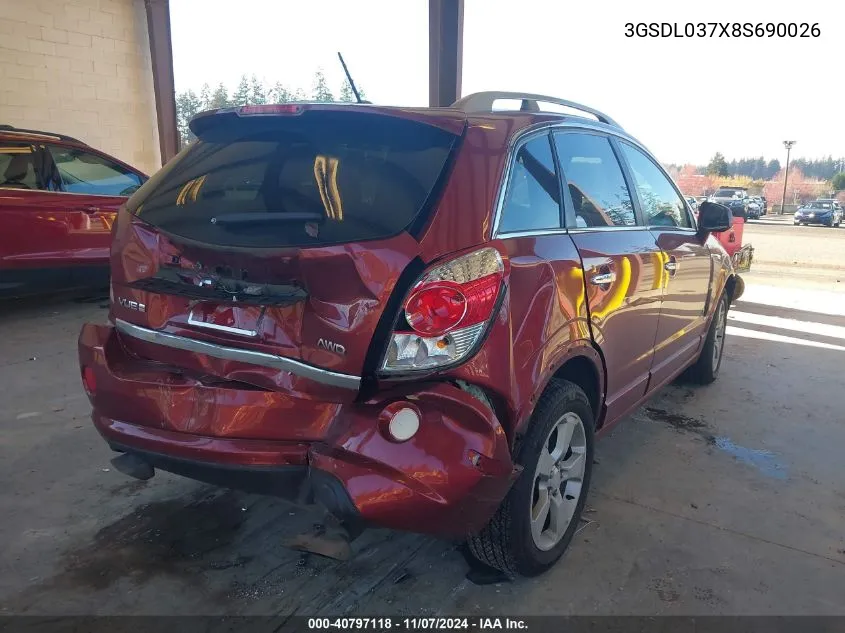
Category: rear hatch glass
<point>284,235</point>
<point>317,178</point>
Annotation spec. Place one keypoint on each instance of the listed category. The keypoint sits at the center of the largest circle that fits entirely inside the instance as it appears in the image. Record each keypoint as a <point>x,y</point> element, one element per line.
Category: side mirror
<point>714,218</point>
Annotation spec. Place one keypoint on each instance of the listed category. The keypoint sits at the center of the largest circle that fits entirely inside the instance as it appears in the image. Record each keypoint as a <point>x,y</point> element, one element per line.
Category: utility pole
<point>788,145</point>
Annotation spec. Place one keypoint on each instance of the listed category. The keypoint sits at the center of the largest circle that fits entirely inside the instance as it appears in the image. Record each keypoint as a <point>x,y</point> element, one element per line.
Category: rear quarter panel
<point>542,323</point>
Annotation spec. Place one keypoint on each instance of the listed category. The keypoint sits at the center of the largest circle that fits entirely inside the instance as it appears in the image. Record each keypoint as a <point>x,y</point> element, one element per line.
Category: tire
<point>508,542</point>
<point>706,369</point>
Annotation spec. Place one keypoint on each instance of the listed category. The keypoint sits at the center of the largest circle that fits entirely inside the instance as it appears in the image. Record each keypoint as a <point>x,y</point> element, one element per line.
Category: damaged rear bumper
<point>447,480</point>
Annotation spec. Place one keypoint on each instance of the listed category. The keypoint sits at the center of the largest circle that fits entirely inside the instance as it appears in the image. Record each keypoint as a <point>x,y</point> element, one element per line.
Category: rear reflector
<point>400,421</point>
<point>404,425</point>
<point>270,108</point>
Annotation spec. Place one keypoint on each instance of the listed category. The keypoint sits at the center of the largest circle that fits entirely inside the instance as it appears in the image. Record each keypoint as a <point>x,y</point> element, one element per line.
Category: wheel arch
<point>582,365</point>
<point>735,287</point>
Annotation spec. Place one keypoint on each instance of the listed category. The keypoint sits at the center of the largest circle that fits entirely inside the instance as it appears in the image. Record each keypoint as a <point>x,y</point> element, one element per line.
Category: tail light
<point>271,108</point>
<point>447,313</point>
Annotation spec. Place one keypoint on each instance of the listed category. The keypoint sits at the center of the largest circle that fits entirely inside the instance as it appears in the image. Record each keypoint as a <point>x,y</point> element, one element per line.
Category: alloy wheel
<point>719,334</point>
<point>558,481</point>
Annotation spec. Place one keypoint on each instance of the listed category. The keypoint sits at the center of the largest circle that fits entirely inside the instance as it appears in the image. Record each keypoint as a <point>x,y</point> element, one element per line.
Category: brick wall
<point>82,68</point>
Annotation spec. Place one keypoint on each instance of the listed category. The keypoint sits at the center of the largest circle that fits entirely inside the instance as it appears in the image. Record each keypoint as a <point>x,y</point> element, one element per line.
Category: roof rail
<point>18,130</point>
<point>483,102</point>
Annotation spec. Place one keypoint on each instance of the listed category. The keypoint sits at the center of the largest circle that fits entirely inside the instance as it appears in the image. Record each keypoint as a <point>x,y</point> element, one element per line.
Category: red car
<point>58,199</point>
<point>732,241</point>
<point>418,318</point>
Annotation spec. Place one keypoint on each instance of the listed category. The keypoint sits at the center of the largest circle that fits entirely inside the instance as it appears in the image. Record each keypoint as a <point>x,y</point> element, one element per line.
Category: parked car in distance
<point>58,199</point>
<point>753,209</point>
<point>418,317</point>
<point>735,198</point>
<point>826,212</point>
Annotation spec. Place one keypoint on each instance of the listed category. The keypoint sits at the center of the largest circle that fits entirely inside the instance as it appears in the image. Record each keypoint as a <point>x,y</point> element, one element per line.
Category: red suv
<point>418,318</point>
<point>58,199</point>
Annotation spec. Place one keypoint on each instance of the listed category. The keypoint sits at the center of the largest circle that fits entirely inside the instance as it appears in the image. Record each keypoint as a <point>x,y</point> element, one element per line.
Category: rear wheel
<point>706,368</point>
<point>537,520</point>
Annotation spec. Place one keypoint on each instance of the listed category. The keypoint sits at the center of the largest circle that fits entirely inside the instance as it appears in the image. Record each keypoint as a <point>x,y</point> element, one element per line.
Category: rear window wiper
<point>266,216</point>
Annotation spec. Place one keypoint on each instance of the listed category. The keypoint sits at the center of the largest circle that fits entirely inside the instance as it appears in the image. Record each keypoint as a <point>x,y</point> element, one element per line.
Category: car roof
<point>15,133</point>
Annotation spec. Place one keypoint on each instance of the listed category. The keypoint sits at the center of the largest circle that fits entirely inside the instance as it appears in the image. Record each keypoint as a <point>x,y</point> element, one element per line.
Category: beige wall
<point>81,68</point>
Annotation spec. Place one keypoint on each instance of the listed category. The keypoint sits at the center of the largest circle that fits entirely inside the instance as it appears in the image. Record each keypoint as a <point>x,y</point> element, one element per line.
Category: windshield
<point>315,179</point>
<point>727,193</point>
<point>819,205</point>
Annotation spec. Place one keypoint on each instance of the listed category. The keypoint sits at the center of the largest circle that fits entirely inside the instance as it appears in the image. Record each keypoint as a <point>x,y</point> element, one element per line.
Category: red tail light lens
<point>447,312</point>
<point>271,108</point>
<point>435,309</point>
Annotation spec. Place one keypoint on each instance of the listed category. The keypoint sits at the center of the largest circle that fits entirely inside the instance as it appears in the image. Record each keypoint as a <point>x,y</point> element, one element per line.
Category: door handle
<point>91,209</point>
<point>603,279</point>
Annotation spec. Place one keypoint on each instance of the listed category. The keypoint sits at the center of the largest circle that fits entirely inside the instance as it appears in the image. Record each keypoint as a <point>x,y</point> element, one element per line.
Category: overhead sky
<point>685,98</point>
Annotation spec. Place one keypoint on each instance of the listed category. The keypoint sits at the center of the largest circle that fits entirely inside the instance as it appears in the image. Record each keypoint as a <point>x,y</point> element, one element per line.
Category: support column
<point>445,51</point>
<point>161,54</point>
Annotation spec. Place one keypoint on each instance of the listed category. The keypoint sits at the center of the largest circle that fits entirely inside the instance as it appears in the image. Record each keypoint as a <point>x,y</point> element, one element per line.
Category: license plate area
<point>239,320</point>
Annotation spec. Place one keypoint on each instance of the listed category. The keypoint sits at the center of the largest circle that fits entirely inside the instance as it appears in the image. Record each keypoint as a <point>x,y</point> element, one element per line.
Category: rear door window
<point>532,197</point>
<point>313,179</point>
<point>594,178</point>
<point>89,173</point>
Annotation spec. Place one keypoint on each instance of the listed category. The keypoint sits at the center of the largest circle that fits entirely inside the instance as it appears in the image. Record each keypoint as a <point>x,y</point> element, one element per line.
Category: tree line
<point>252,91</point>
<point>760,169</point>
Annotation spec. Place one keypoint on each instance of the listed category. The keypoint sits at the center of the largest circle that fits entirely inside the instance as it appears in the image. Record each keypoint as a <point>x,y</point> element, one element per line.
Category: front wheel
<point>537,520</point>
<point>706,368</point>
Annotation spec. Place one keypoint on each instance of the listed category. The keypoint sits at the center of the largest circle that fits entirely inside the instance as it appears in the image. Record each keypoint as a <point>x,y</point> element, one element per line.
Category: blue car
<point>826,212</point>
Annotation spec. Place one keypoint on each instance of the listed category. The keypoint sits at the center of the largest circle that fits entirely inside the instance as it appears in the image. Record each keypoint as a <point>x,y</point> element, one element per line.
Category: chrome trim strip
<point>324,376</point>
<point>221,328</point>
<point>532,233</point>
<point>601,229</point>
<point>673,229</point>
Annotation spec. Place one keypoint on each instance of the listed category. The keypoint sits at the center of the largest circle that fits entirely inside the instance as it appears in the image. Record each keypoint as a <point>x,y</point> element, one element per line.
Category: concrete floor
<point>728,499</point>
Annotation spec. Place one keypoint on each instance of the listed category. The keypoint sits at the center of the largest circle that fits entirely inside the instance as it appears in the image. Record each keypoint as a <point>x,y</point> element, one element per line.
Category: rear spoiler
<point>450,120</point>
